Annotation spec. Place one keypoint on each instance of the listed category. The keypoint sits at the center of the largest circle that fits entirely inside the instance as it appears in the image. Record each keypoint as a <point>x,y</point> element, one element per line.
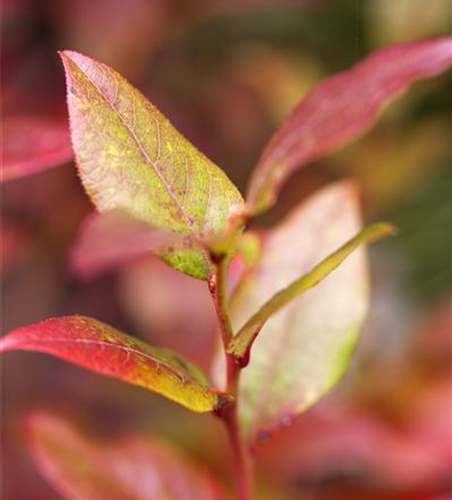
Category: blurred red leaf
<point>340,109</point>
<point>134,468</point>
<point>100,348</point>
<point>33,143</point>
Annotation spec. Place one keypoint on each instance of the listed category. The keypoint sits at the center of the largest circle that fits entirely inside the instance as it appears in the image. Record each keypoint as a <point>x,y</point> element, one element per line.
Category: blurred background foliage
<point>226,72</point>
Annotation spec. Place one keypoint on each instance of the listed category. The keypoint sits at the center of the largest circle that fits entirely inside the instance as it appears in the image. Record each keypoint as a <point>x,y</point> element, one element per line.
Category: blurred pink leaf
<point>103,349</point>
<point>131,158</point>
<point>302,350</point>
<point>334,437</point>
<point>112,238</point>
<point>340,109</point>
<point>133,468</point>
<point>31,144</point>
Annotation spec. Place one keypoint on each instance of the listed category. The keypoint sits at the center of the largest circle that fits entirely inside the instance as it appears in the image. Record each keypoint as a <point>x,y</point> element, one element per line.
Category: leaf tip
<point>64,55</point>
<point>388,229</point>
<point>69,57</point>
<point>6,343</point>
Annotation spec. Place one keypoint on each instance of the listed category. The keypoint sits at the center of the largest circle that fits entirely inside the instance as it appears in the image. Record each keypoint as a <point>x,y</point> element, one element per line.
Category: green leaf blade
<point>101,348</point>
<point>131,158</point>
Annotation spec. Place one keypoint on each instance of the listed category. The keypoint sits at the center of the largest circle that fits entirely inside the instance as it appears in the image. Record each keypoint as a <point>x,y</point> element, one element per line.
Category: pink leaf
<point>110,239</point>
<point>31,144</point>
<point>340,109</point>
<point>333,435</point>
<point>133,468</point>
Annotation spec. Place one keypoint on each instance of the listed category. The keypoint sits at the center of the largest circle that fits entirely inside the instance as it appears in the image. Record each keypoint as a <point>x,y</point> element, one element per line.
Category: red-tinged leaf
<point>110,239</point>
<point>98,347</point>
<point>303,349</point>
<point>133,468</point>
<point>340,109</point>
<point>31,144</point>
<point>131,158</point>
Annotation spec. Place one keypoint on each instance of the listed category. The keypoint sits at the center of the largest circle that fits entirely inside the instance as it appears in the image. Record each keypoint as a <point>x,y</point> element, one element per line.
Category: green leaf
<point>130,157</point>
<point>103,349</point>
<point>241,344</point>
<point>131,468</point>
<point>304,348</point>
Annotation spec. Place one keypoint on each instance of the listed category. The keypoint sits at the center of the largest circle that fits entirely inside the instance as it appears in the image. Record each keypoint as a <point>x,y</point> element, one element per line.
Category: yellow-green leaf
<point>131,158</point>
<point>103,349</point>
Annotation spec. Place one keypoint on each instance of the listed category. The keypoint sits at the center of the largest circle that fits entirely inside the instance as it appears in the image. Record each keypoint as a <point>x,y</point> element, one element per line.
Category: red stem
<point>229,414</point>
<point>242,463</point>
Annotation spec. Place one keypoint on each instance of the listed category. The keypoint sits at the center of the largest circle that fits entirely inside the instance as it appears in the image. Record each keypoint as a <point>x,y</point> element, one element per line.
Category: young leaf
<point>303,349</point>
<point>133,468</point>
<point>98,347</point>
<point>131,158</point>
<point>109,239</point>
<point>241,344</point>
<point>340,109</point>
<point>31,144</point>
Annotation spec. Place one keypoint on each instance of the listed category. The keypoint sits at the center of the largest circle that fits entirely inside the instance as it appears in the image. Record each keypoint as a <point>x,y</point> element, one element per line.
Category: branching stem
<point>229,414</point>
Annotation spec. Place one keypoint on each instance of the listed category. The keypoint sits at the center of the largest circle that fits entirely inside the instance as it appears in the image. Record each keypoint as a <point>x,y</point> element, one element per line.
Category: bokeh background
<point>226,72</point>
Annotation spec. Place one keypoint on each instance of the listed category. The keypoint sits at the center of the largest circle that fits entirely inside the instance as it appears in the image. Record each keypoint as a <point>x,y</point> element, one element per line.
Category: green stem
<point>218,288</point>
<point>229,414</point>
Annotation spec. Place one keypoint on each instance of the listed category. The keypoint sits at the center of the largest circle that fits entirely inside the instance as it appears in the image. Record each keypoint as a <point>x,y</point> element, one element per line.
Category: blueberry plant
<point>291,321</point>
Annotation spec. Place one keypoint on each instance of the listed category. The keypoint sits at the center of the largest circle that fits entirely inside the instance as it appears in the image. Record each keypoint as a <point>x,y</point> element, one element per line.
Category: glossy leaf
<point>241,344</point>
<point>31,144</point>
<point>112,238</point>
<point>131,158</point>
<point>303,349</point>
<point>133,468</point>
<point>98,347</point>
<point>340,109</point>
